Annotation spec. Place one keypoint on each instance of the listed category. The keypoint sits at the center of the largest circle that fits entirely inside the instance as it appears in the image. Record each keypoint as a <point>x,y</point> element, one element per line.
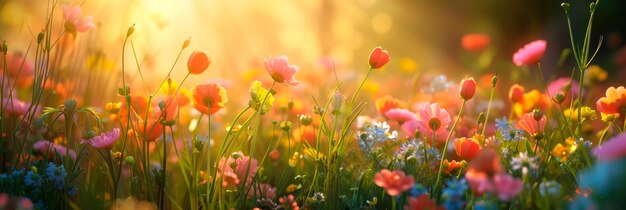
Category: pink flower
<point>73,20</point>
<point>530,125</point>
<point>17,65</point>
<point>289,202</point>
<point>395,183</point>
<point>506,186</point>
<point>15,106</point>
<point>529,54</point>
<point>478,181</point>
<point>280,70</point>
<point>46,147</point>
<point>560,84</point>
<point>409,127</point>
<point>400,115</point>
<point>613,149</point>
<point>228,179</point>
<point>240,163</point>
<point>433,119</point>
<point>104,140</point>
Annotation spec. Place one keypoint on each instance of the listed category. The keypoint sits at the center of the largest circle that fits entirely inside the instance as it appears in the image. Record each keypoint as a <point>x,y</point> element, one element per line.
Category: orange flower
<point>153,130</point>
<point>614,101</point>
<point>388,102</point>
<point>467,148</point>
<point>467,88</point>
<point>198,62</point>
<point>395,183</point>
<point>531,100</point>
<point>209,98</point>
<point>475,42</point>
<point>378,58</point>
<point>448,166</point>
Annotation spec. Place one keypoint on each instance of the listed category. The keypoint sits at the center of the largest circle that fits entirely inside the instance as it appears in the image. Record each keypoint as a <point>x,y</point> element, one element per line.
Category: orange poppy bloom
<point>613,102</point>
<point>466,148</point>
<point>388,102</point>
<point>209,98</point>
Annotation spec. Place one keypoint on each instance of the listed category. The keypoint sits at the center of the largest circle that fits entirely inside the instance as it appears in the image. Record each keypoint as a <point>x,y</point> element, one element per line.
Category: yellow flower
<point>560,152</point>
<point>294,159</point>
<point>258,94</point>
<point>292,188</point>
<point>607,118</point>
<point>586,112</point>
<point>113,107</point>
<point>408,65</point>
<point>595,73</point>
<point>312,154</point>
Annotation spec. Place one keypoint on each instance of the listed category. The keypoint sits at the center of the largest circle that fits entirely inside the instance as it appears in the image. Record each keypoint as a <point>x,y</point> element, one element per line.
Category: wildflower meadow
<point>114,108</point>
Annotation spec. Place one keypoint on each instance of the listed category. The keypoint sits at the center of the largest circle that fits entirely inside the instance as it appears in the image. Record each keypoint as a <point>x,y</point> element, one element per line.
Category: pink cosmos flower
<point>17,65</point>
<point>240,163</point>
<point>104,140</point>
<point>506,186</point>
<point>15,106</point>
<point>395,183</point>
<point>400,115</point>
<point>229,179</point>
<point>529,54</point>
<point>44,147</point>
<point>433,119</point>
<point>73,20</point>
<point>530,125</point>
<point>613,149</point>
<point>280,70</point>
<point>409,128</point>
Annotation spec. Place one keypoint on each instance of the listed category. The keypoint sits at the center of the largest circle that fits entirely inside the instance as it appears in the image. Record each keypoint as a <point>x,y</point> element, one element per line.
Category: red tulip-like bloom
<point>467,88</point>
<point>209,98</point>
<point>475,42</point>
<point>613,149</point>
<point>530,125</point>
<point>467,148</point>
<point>278,67</point>
<point>378,58</point>
<point>395,183</point>
<point>613,102</point>
<point>516,93</point>
<point>529,54</point>
<point>153,130</point>
<point>198,62</point>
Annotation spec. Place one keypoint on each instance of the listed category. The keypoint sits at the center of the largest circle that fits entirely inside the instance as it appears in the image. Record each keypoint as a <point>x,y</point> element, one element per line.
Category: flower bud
<point>467,88</point>
<point>306,119</point>
<point>186,43</point>
<point>285,125</point>
<point>129,159</point>
<point>378,58</point>
<point>198,62</point>
<point>130,30</point>
<point>537,114</point>
<point>494,80</point>
<point>40,37</point>
<point>565,7</point>
<point>559,97</point>
<point>516,93</point>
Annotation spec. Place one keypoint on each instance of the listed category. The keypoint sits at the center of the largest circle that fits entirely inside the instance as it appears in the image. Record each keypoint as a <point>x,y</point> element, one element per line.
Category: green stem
<point>445,147</point>
<point>482,133</point>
